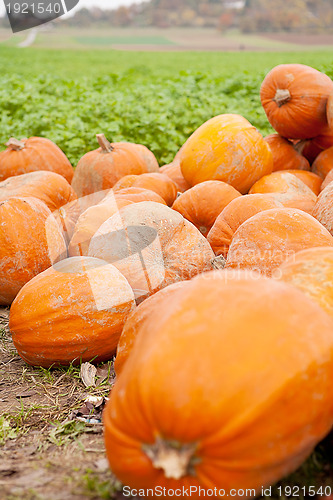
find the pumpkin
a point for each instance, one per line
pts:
(329, 110)
(204, 202)
(285, 156)
(157, 182)
(30, 242)
(323, 209)
(313, 181)
(288, 189)
(173, 171)
(311, 148)
(311, 271)
(265, 240)
(81, 309)
(214, 391)
(92, 219)
(48, 187)
(233, 216)
(152, 246)
(29, 155)
(328, 179)
(101, 169)
(226, 148)
(323, 164)
(135, 320)
(294, 97)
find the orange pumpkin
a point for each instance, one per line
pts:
(29, 155)
(135, 320)
(204, 202)
(214, 391)
(152, 246)
(102, 168)
(313, 181)
(173, 171)
(233, 216)
(323, 210)
(311, 271)
(81, 309)
(226, 148)
(30, 241)
(265, 240)
(157, 182)
(288, 189)
(329, 111)
(323, 164)
(285, 156)
(294, 97)
(48, 187)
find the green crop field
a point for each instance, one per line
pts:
(156, 99)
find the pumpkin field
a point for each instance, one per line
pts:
(166, 265)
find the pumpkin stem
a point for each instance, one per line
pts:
(219, 262)
(104, 143)
(15, 144)
(282, 96)
(175, 459)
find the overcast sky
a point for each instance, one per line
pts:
(104, 4)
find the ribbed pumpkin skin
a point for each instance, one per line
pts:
(157, 182)
(204, 202)
(136, 318)
(285, 156)
(81, 308)
(311, 271)
(233, 216)
(226, 148)
(267, 239)
(225, 367)
(303, 115)
(288, 189)
(30, 241)
(323, 164)
(49, 187)
(99, 169)
(38, 154)
(173, 171)
(153, 246)
(323, 210)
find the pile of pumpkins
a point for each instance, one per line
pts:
(211, 279)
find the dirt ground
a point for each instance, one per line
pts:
(48, 453)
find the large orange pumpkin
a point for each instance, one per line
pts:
(285, 156)
(226, 148)
(48, 187)
(288, 189)
(29, 155)
(152, 246)
(323, 210)
(81, 309)
(173, 171)
(30, 241)
(135, 320)
(268, 238)
(323, 164)
(92, 219)
(311, 271)
(294, 97)
(204, 202)
(157, 182)
(213, 394)
(102, 168)
(233, 216)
